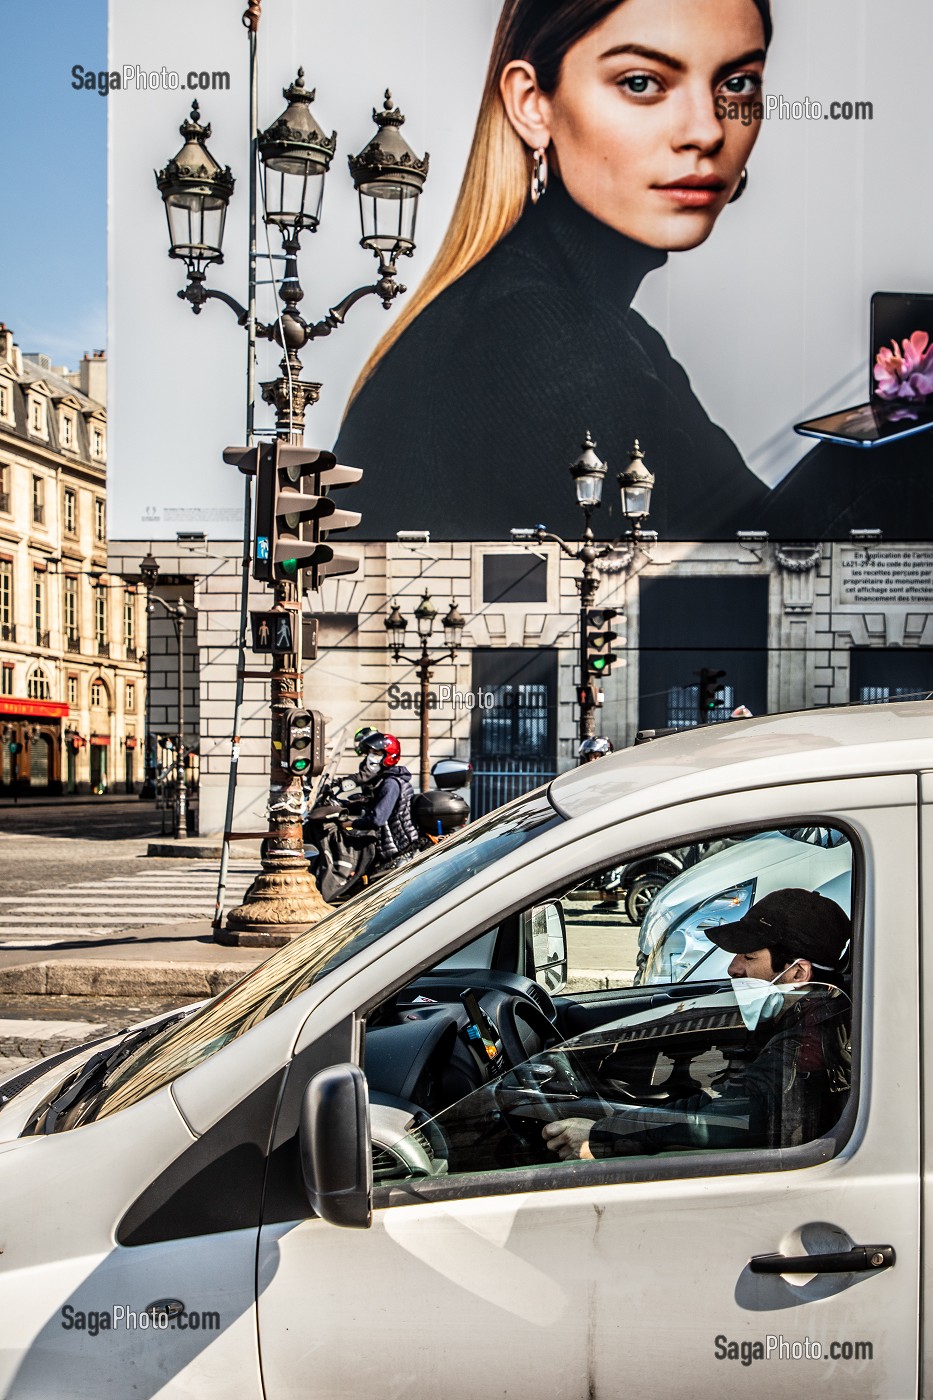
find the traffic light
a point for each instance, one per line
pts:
(294, 513)
(303, 750)
(710, 691)
(600, 658)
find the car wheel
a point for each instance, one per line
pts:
(642, 892)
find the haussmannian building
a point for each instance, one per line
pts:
(72, 636)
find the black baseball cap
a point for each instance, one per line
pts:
(805, 924)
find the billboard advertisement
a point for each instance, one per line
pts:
(698, 226)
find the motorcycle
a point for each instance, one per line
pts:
(343, 860)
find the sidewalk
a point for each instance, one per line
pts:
(166, 962)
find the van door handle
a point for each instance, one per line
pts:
(860, 1259)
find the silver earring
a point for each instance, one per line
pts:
(741, 186)
(538, 174)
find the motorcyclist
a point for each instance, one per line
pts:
(388, 796)
(592, 749)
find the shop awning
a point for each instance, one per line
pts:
(33, 709)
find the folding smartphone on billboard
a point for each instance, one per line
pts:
(900, 377)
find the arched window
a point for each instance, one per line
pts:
(99, 696)
(37, 687)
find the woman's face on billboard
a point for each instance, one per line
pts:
(651, 123)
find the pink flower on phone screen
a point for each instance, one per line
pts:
(905, 372)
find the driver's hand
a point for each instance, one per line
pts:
(569, 1138)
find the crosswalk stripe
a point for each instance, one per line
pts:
(92, 909)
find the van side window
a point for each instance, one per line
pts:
(718, 1024)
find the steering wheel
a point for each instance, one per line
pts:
(514, 1049)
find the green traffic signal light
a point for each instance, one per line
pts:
(289, 566)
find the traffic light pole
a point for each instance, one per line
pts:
(284, 899)
(589, 584)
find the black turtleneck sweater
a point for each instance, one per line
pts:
(468, 425)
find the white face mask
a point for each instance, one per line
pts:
(370, 766)
(757, 999)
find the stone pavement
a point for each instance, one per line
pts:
(54, 997)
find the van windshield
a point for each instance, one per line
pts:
(293, 969)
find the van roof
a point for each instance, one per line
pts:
(748, 753)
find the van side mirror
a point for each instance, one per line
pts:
(335, 1146)
(549, 945)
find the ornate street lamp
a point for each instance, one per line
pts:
(149, 572)
(178, 612)
(635, 483)
(395, 625)
(425, 613)
(296, 155)
(453, 625)
(389, 178)
(196, 192)
(588, 473)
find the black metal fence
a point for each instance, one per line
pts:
(499, 780)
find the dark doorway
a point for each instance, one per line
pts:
(691, 625)
(514, 725)
(890, 673)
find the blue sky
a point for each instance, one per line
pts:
(53, 287)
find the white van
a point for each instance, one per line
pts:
(334, 1179)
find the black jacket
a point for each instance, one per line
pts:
(469, 424)
(791, 1090)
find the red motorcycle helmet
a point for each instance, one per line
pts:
(385, 745)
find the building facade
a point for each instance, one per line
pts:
(72, 635)
(784, 626)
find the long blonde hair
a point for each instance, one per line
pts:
(497, 178)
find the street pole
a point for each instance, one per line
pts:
(425, 669)
(588, 588)
(284, 899)
(148, 788)
(295, 153)
(181, 790)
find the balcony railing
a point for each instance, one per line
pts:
(38, 514)
(5, 502)
(103, 648)
(42, 638)
(131, 652)
(7, 631)
(73, 643)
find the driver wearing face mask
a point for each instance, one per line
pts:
(792, 1086)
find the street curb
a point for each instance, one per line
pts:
(184, 852)
(147, 980)
(198, 851)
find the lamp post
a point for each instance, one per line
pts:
(177, 611)
(294, 154)
(149, 570)
(588, 474)
(396, 625)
